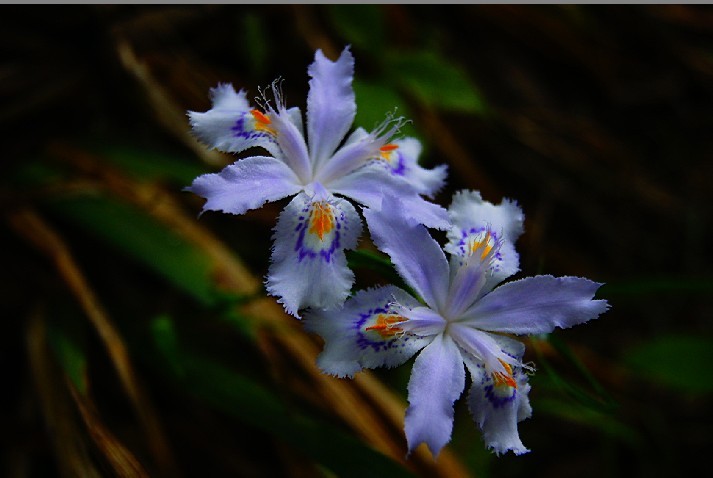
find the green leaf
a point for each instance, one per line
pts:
(151, 165)
(678, 362)
(68, 349)
(236, 395)
(375, 101)
(150, 243)
(434, 81)
(360, 25)
(605, 423)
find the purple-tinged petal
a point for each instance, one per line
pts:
(401, 159)
(497, 407)
(365, 332)
(474, 219)
(348, 158)
(417, 256)
(291, 142)
(437, 380)
(536, 305)
(369, 184)
(485, 347)
(308, 266)
(422, 321)
(330, 103)
(231, 125)
(246, 184)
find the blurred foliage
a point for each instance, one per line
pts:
(138, 341)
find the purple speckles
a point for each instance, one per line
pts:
(498, 400)
(400, 168)
(241, 129)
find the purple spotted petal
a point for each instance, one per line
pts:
(349, 346)
(308, 266)
(417, 256)
(230, 126)
(246, 184)
(437, 380)
(330, 104)
(472, 218)
(403, 162)
(536, 305)
(498, 408)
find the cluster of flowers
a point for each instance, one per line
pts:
(458, 319)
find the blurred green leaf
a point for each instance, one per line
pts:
(678, 362)
(597, 399)
(166, 341)
(360, 25)
(152, 166)
(365, 259)
(253, 42)
(594, 419)
(375, 101)
(68, 349)
(252, 403)
(139, 236)
(434, 81)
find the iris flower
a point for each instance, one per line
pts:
(461, 318)
(308, 266)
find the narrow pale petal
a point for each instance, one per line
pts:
(401, 159)
(330, 104)
(308, 266)
(473, 219)
(369, 184)
(486, 347)
(417, 256)
(292, 143)
(231, 125)
(497, 407)
(437, 380)
(536, 305)
(246, 184)
(365, 333)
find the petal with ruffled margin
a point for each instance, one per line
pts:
(330, 103)
(498, 407)
(437, 380)
(369, 184)
(308, 266)
(401, 159)
(536, 305)
(365, 332)
(231, 125)
(474, 219)
(417, 256)
(246, 184)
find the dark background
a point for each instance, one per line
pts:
(597, 119)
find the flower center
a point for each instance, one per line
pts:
(482, 244)
(504, 379)
(321, 219)
(385, 325)
(262, 122)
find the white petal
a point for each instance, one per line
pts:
(369, 184)
(231, 126)
(417, 256)
(330, 103)
(473, 218)
(246, 184)
(308, 266)
(349, 346)
(437, 380)
(536, 305)
(497, 408)
(403, 162)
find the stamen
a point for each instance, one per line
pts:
(385, 325)
(484, 244)
(260, 117)
(504, 379)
